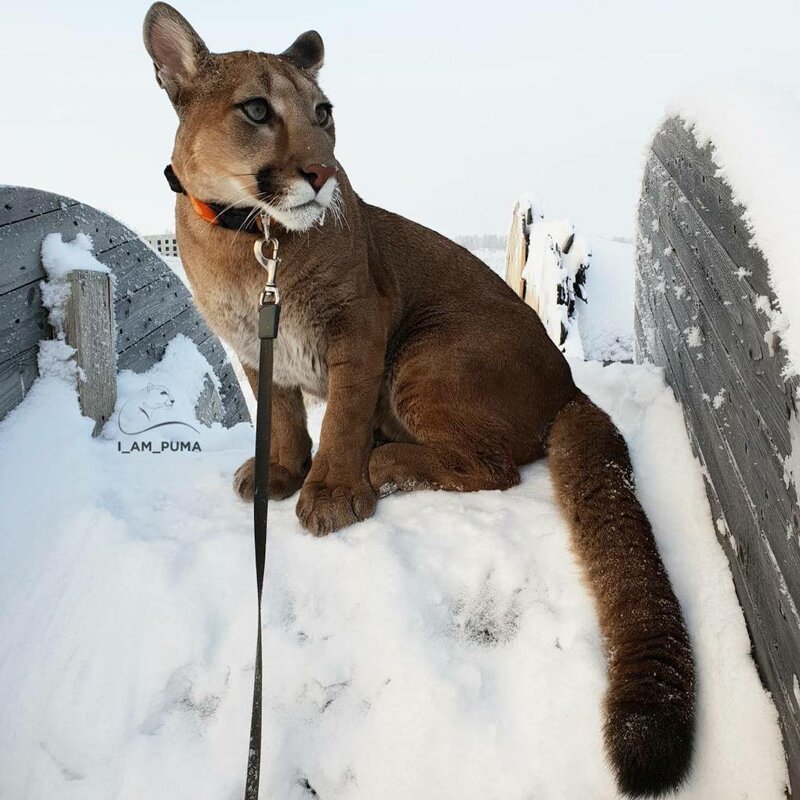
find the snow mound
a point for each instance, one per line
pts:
(754, 134)
(445, 648)
(605, 319)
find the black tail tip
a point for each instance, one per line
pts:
(650, 749)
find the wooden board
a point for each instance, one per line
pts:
(699, 285)
(517, 248)
(151, 304)
(89, 328)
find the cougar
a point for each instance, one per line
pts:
(436, 375)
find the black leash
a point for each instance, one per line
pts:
(269, 310)
(266, 251)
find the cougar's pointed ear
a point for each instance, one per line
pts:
(176, 49)
(306, 52)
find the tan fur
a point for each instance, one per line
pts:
(436, 375)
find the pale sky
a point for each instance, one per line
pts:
(445, 111)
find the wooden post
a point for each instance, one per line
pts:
(517, 249)
(89, 328)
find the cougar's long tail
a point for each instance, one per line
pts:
(649, 726)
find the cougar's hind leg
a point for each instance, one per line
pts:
(405, 467)
(453, 455)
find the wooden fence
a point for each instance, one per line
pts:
(699, 286)
(150, 302)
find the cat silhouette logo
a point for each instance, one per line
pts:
(146, 409)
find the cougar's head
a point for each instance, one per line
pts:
(255, 129)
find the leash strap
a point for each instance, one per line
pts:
(269, 311)
(268, 317)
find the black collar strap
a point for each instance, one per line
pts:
(235, 219)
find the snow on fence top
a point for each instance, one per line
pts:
(553, 273)
(754, 139)
(582, 290)
(60, 258)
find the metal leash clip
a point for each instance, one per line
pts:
(269, 306)
(266, 253)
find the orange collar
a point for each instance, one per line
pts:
(236, 219)
(203, 210)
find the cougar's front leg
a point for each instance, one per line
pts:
(290, 446)
(337, 491)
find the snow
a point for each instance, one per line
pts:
(605, 319)
(445, 648)
(55, 358)
(753, 132)
(791, 464)
(586, 292)
(557, 261)
(693, 336)
(60, 258)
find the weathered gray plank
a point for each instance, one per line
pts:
(236, 410)
(20, 202)
(20, 243)
(209, 406)
(697, 273)
(719, 284)
(751, 466)
(740, 335)
(89, 328)
(151, 303)
(697, 175)
(23, 320)
(761, 634)
(143, 353)
(135, 265)
(16, 378)
(230, 391)
(150, 349)
(768, 610)
(149, 307)
(755, 436)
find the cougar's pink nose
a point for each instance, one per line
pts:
(317, 174)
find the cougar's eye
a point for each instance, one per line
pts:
(324, 113)
(256, 110)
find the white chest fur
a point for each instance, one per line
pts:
(298, 357)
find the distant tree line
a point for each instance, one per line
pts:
(483, 241)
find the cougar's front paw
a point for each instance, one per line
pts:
(323, 509)
(244, 480)
(282, 483)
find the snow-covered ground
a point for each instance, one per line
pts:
(605, 320)
(446, 648)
